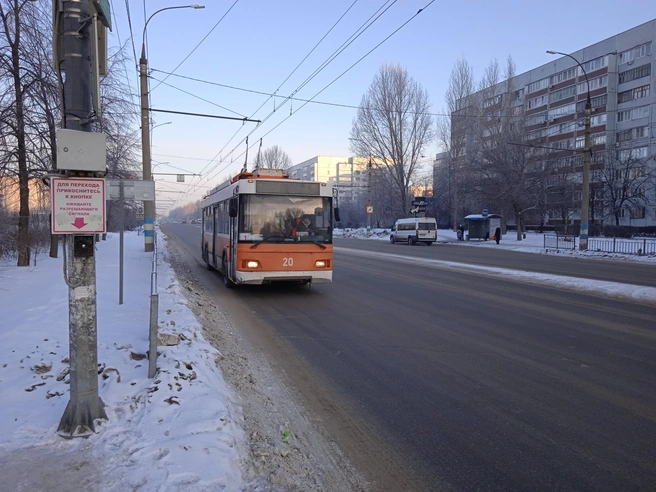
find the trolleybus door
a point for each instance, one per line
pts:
(234, 234)
(214, 210)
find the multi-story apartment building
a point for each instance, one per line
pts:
(348, 174)
(551, 100)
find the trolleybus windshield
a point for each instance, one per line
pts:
(285, 219)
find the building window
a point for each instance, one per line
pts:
(538, 101)
(637, 93)
(492, 101)
(596, 139)
(632, 134)
(596, 102)
(562, 93)
(628, 154)
(517, 110)
(633, 113)
(536, 119)
(599, 139)
(595, 64)
(635, 73)
(538, 85)
(595, 83)
(637, 212)
(599, 119)
(634, 53)
(570, 73)
(565, 144)
(561, 111)
(519, 94)
(638, 172)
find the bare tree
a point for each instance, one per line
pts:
(452, 131)
(628, 182)
(563, 190)
(12, 64)
(273, 158)
(393, 126)
(511, 173)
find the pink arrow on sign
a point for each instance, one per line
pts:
(79, 222)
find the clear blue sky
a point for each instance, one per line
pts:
(260, 42)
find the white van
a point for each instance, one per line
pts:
(414, 230)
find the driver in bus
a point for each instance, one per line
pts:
(290, 228)
(305, 225)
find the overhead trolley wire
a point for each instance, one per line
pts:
(363, 27)
(279, 87)
(345, 72)
(201, 42)
(326, 87)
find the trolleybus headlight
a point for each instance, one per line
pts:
(320, 264)
(252, 264)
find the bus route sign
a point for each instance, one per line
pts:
(78, 205)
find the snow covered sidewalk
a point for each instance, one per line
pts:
(180, 431)
(533, 243)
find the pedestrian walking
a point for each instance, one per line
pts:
(497, 235)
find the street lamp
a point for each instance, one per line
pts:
(585, 194)
(149, 206)
(156, 126)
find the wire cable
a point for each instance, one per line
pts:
(201, 42)
(326, 87)
(197, 97)
(344, 72)
(363, 27)
(218, 154)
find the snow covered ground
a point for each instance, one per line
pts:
(534, 243)
(181, 431)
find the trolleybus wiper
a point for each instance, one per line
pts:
(255, 245)
(318, 244)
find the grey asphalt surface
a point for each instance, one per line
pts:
(636, 273)
(479, 382)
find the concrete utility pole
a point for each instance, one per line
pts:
(85, 405)
(585, 192)
(149, 206)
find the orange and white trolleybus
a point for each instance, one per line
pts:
(263, 226)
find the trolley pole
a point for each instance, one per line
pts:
(85, 405)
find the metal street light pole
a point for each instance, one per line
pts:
(149, 206)
(585, 194)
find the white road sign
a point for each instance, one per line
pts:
(78, 205)
(133, 189)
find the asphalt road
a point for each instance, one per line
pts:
(477, 382)
(597, 269)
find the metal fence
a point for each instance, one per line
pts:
(556, 241)
(624, 246)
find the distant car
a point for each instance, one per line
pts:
(414, 230)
